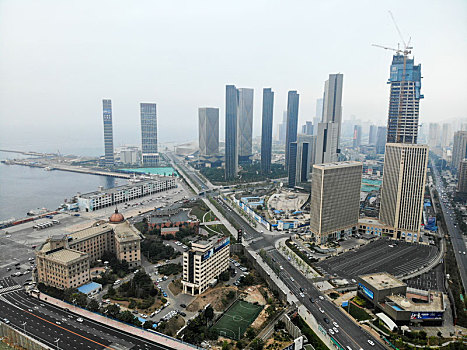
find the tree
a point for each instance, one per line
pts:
(279, 325)
(250, 333)
(112, 310)
(111, 291)
(224, 276)
(209, 314)
(148, 324)
(93, 305)
(257, 344)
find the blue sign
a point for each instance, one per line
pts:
(367, 292)
(426, 316)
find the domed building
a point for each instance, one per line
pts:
(116, 217)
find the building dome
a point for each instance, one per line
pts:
(116, 217)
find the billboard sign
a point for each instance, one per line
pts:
(366, 291)
(218, 246)
(426, 315)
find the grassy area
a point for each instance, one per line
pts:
(237, 319)
(170, 269)
(198, 209)
(357, 313)
(4, 346)
(313, 339)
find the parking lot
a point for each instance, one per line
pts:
(431, 280)
(383, 255)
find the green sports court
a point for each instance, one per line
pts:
(234, 322)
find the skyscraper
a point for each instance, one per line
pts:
(405, 79)
(326, 143)
(231, 154)
(245, 124)
(292, 122)
(292, 166)
(462, 178)
(434, 134)
(381, 136)
(403, 189)
(446, 135)
(308, 128)
(283, 128)
(208, 131)
(357, 136)
(459, 150)
(332, 102)
(302, 151)
(108, 133)
(335, 199)
(266, 130)
(149, 134)
(319, 110)
(372, 135)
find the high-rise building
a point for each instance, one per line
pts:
(204, 262)
(326, 143)
(403, 189)
(307, 129)
(266, 130)
(446, 135)
(292, 122)
(231, 150)
(434, 134)
(372, 135)
(283, 128)
(357, 136)
(245, 124)
(381, 139)
(108, 133)
(208, 128)
(405, 79)
(302, 158)
(319, 111)
(462, 178)
(149, 134)
(335, 199)
(459, 150)
(332, 102)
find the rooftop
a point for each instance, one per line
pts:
(89, 232)
(338, 165)
(382, 280)
(436, 303)
(65, 256)
(124, 187)
(89, 287)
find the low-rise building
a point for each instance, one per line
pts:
(204, 262)
(402, 304)
(64, 261)
(105, 198)
(374, 227)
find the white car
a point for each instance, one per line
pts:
(292, 279)
(302, 295)
(321, 310)
(371, 342)
(79, 319)
(335, 329)
(321, 297)
(335, 324)
(331, 331)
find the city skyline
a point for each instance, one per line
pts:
(364, 82)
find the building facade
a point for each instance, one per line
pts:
(266, 130)
(446, 135)
(245, 124)
(381, 136)
(101, 199)
(459, 150)
(403, 189)
(335, 199)
(204, 262)
(292, 167)
(108, 133)
(231, 151)
(292, 122)
(372, 135)
(64, 261)
(357, 136)
(405, 80)
(208, 131)
(462, 178)
(326, 143)
(434, 136)
(150, 156)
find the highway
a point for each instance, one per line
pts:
(48, 323)
(350, 334)
(456, 235)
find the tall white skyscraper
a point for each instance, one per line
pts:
(108, 133)
(434, 133)
(149, 134)
(332, 102)
(459, 150)
(208, 131)
(403, 189)
(326, 143)
(446, 135)
(245, 124)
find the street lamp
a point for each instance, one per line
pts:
(24, 327)
(56, 341)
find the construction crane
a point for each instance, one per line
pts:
(407, 49)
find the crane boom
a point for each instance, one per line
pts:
(397, 28)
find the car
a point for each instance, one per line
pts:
(70, 317)
(64, 319)
(335, 324)
(79, 319)
(335, 330)
(182, 314)
(302, 295)
(183, 305)
(321, 310)
(292, 279)
(311, 300)
(135, 312)
(281, 267)
(321, 297)
(326, 320)
(58, 322)
(331, 331)
(301, 289)
(371, 342)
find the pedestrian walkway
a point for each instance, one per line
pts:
(9, 289)
(158, 338)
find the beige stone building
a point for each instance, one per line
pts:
(204, 262)
(64, 261)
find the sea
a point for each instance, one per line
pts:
(23, 188)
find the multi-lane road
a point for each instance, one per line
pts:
(457, 238)
(350, 334)
(59, 329)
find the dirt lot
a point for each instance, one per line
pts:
(253, 294)
(176, 287)
(212, 296)
(262, 317)
(124, 304)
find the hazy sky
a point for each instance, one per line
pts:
(59, 59)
